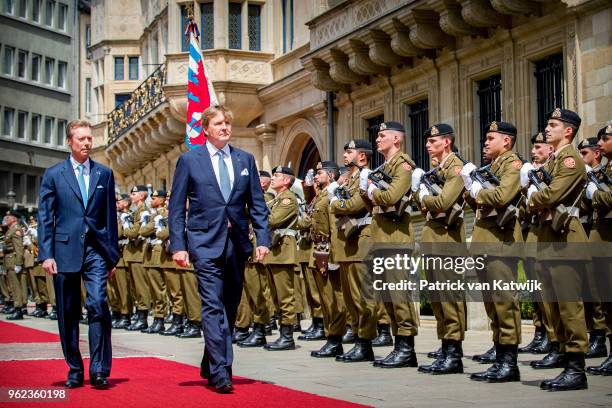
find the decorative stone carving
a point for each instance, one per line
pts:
(425, 31)
(451, 21)
(359, 58)
(319, 70)
(520, 7)
(479, 13)
(380, 49)
(400, 40)
(248, 71)
(339, 69)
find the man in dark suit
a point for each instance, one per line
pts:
(222, 186)
(77, 235)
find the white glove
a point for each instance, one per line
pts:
(332, 199)
(532, 189)
(587, 168)
(331, 189)
(17, 268)
(157, 220)
(416, 178)
(423, 192)
(144, 216)
(371, 189)
(475, 189)
(527, 167)
(363, 179)
(27, 241)
(124, 216)
(467, 169)
(590, 190)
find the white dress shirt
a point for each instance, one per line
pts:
(86, 171)
(227, 158)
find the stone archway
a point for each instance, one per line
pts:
(301, 146)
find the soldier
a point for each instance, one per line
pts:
(121, 277)
(37, 273)
(444, 224)
(134, 254)
(391, 225)
(154, 257)
(13, 265)
(282, 257)
(593, 311)
(544, 331)
(7, 298)
(193, 304)
(568, 175)
(350, 235)
(602, 232)
(492, 226)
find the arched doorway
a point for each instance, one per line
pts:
(309, 158)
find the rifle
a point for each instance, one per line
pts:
(539, 178)
(483, 174)
(600, 178)
(342, 193)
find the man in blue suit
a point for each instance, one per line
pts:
(77, 237)
(221, 184)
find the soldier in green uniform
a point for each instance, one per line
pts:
(121, 276)
(154, 255)
(593, 310)
(7, 298)
(193, 304)
(544, 334)
(134, 252)
(37, 273)
(443, 224)
(391, 225)
(568, 175)
(13, 265)
(601, 202)
(282, 257)
(256, 283)
(350, 224)
(492, 226)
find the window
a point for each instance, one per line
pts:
(36, 11)
(49, 11)
(22, 63)
(31, 189)
(61, 132)
(35, 73)
(549, 87)
(49, 123)
(119, 68)
(87, 95)
(133, 66)
(184, 41)
(489, 102)
(418, 117)
(9, 55)
(8, 121)
(49, 69)
(62, 16)
(120, 98)
(234, 26)
(22, 8)
(8, 6)
(62, 70)
(207, 25)
(372, 129)
(35, 128)
(254, 27)
(88, 35)
(22, 117)
(287, 12)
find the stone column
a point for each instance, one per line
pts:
(220, 12)
(266, 134)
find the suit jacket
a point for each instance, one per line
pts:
(203, 231)
(63, 221)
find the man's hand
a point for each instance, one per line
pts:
(261, 252)
(181, 258)
(50, 266)
(111, 273)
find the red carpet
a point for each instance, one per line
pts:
(14, 333)
(152, 382)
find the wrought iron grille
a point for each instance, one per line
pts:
(207, 26)
(418, 115)
(489, 96)
(254, 27)
(372, 128)
(144, 99)
(549, 87)
(234, 26)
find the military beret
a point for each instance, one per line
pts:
(342, 169)
(538, 138)
(32, 218)
(12, 213)
(588, 143)
(565, 115)
(327, 165)
(604, 131)
(359, 144)
(283, 170)
(159, 193)
(121, 197)
(263, 173)
(391, 125)
(505, 128)
(139, 188)
(439, 129)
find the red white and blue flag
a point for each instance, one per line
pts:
(200, 91)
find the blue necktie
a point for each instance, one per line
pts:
(224, 179)
(82, 186)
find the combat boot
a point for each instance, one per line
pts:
(240, 334)
(554, 359)
(487, 358)
(597, 344)
(452, 363)
(257, 338)
(507, 367)
(361, 351)
(538, 336)
(403, 354)
(332, 348)
(573, 377)
(317, 332)
(175, 328)
(284, 341)
(384, 337)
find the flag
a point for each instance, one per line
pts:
(200, 91)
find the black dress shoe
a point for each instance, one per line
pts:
(573, 377)
(284, 341)
(362, 351)
(74, 382)
(53, 314)
(257, 338)
(487, 358)
(156, 327)
(98, 381)
(384, 337)
(122, 323)
(349, 336)
(240, 334)
(554, 359)
(597, 344)
(332, 348)
(224, 387)
(538, 336)
(141, 322)
(403, 354)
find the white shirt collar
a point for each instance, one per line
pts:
(75, 163)
(212, 150)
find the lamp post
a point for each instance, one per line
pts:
(10, 199)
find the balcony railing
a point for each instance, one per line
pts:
(143, 100)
